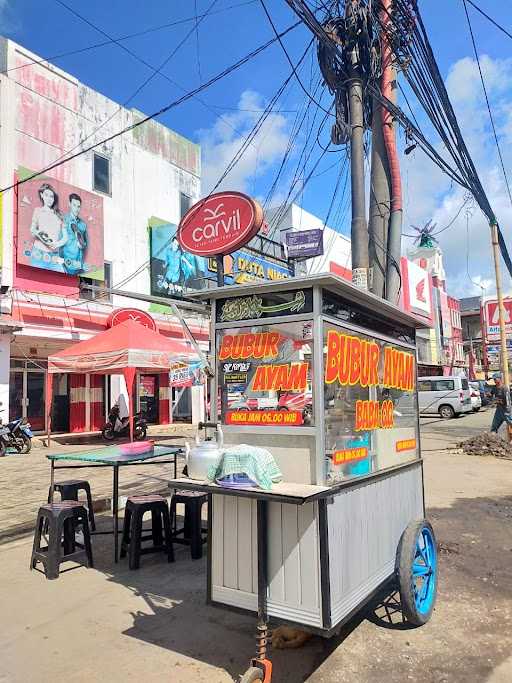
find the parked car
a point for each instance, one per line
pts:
(476, 400)
(445, 396)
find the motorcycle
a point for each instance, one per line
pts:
(116, 426)
(16, 434)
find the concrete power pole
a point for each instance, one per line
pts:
(379, 205)
(359, 228)
(501, 310)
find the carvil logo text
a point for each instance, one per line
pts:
(352, 360)
(215, 221)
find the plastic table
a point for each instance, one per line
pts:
(110, 456)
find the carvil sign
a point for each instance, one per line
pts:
(220, 224)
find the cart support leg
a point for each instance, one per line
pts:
(115, 511)
(261, 660)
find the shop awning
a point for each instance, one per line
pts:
(127, 345)
(124, 349)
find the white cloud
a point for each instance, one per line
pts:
(221, 142)
(430, 195)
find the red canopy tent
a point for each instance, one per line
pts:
(125, 349)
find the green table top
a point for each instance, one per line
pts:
(110, 455)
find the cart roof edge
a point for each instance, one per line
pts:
(328, 281)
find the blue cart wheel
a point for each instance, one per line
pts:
(417, 572)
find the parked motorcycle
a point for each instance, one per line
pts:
(117, 427)
(16, 434)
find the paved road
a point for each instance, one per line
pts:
(113, 624)
(448, 432)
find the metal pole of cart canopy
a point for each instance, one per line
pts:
(220, 270)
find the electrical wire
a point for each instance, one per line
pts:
(308, 94)
(491, 117)
(198, 58)
(236, 158)
(95, 46)
(154, 70)
(184, 98)
(498, 26)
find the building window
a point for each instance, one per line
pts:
(185, 203)
(101, 174)
(102, 294)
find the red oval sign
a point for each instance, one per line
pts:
(220, 224)
(120, 315)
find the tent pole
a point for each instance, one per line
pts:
(49, 400)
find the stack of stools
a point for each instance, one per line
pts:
(133, 537)
(61, 520)
(69, 491)
(192, 532)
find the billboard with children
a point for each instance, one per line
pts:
(60, 228)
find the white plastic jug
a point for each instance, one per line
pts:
(203, 455)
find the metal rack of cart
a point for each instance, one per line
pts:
(323, 375)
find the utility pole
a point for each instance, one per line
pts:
(359, 228)
(379, 205)
(501, 311)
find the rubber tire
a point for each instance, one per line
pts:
(2, 449)
(111, 433)
(450, 412)
(475, 410)
(252, 674)
(405, 557)
(27, 444)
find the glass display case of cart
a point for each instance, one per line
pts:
(370, 405)
(265, 375)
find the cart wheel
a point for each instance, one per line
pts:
(252, 674)
(417, 572)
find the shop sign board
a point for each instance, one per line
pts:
(121, 315)
(60, 228)
(220, 224)
(417, 289)
(175, 271)
(305, 244)
(292, 302)
(492, 318)
(185, 375)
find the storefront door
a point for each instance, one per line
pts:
(27, 390)
(148, 397)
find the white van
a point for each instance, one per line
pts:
(444, 396)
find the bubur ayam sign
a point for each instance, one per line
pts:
(352, 361)
(220, 224)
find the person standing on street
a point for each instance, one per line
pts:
(500, 415)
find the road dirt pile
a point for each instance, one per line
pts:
(487, 444)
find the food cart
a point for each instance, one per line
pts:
(349, 514)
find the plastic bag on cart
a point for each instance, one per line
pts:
(257, 464)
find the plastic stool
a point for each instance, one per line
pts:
(193, 533)
(69, 491)
(61, 520)
(132, 539)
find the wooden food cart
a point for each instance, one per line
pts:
(323, 375)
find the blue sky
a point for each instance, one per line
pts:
(227, 34)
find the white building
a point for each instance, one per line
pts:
(337, 256)
(137, 183)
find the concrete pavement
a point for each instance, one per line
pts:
(153, 624)
(24, 479)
